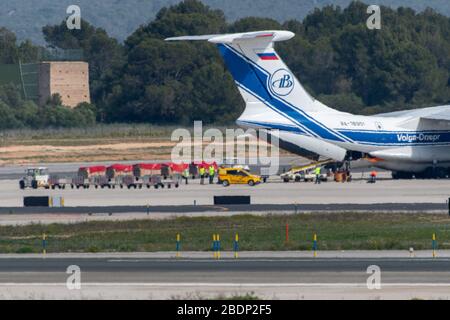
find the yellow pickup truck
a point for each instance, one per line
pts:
(229, 176)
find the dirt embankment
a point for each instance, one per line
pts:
(110, 150)
(119, 151)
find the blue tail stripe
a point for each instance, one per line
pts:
(244, 74)
(251, 78)
(267, 75)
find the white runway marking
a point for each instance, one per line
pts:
(209, 284)
(232, 260)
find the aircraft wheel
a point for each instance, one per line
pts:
(440, 173)
(407, 175)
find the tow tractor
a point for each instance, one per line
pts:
(306, 172)
(36, 177)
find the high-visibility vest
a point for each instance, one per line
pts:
(317, 171)
(211, 170)
(202, 171)
(186, 172)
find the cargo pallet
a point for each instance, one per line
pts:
(127, 181)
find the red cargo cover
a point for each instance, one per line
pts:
(121, 167)
(177, 167)
(93, 169)
(149, 166)
(206, 165)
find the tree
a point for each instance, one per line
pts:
(8, 53)
(253, 24)
(334, 55)
(175, 82)
(18, 113)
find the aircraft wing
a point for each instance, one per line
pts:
(433, 113)
(439, 115)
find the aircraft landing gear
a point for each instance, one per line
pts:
(433, 173)
(429, 173)
(397, 175)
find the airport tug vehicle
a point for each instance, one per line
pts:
(306, 173)
(35, 177)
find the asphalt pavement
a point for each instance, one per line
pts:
(298, 278)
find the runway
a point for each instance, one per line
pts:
(356, 192)
(214, 209)
(250, 270)
(162, 278)
(12, 216)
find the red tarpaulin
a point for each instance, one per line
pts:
(177, 167)
(149, 166)
(206, 165)
(93, 169)
(121, 167)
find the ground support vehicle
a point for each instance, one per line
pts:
(35, 177)
(228, 176)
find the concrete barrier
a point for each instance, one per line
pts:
(36, 201)
(231, 200)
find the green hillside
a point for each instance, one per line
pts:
(337, 58)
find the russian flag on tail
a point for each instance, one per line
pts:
(267, 56)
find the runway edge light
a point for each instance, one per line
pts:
(44, 244)
(315, 245)
(214, 246)
(218, 246)
(178, 246)
(433, 245)
(236, 246)
(287, 234)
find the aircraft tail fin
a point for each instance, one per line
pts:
(259, 72)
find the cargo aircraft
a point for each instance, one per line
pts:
(409, 143)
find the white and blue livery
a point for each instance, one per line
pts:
(406, 142)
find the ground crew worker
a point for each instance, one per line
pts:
(317, 172)
(212, 172)
(202, 175)
(193, 170)
(373, 176)
(186, 174)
